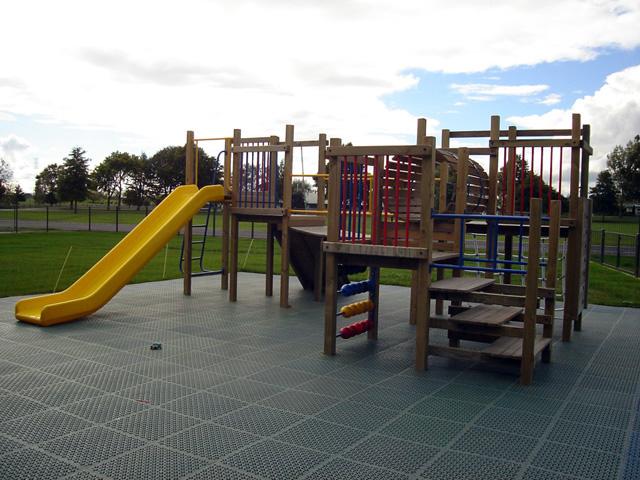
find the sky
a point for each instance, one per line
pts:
(136, 75)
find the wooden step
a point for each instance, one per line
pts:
(439, 257)
(506, 347)
(487, 315)
(460, 284)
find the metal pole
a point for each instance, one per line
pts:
(215, 214)
(602, 234)
(117, 218)
(638, 255)
(89, 218)
(252, 225)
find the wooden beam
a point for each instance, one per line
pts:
(375, 250)
(330, 304)
(504, 133)
(263, 148)
(189, 179)
(286, 203)
(531, 303)
(535, 143)
(412, 150)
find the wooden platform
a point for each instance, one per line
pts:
(439, 257)
(460, 284)
(511, 348)
(487, 315)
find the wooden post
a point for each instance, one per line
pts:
(331, 287)
(425, 241)
(509, 208)
(374, 296)
(421, 138)
(531, 299)
(511, 172)
(271, 227)
(462, 174)
(572, 307)
(226, 216)
(584, 193)
(493, 166)
(574, 191)
(322, 169)
(189, 179)
(286, 204)
(552, 273)
(233, 260)
(442, 206)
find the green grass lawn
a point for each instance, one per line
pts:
(627, 225)
(101, 215)
(32, 262)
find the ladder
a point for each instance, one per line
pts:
(202, 243)
(211, 206)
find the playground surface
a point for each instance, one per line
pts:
(242, 390)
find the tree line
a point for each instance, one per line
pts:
(135, 180)
(620, 184)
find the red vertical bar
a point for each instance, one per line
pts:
(374, 211)
(504, 179)
(253, 180)
(343, 211)
(397, 198)
(560, 177)
(550, 180)
(522, 182)
(354, 198)
(386, 198)
(406, 225)
(541, 172)
(365, 198)
(513, 182)
(533, 159)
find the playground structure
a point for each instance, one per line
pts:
(399, 180)
(379, 214)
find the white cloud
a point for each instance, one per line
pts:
(551, 99)
(613, 112)
(19, 154)
(489, 90)
(160, 68)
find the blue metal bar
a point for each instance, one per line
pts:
(488, 218)
(491, 260)
(476, 269)
(476, 216)
(520, 235)
(461, 242)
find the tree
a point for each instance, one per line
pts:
(624, 164)
(6, 174)
(529, 184)
(73, 182)
(18, 195)
(166, 170)
(47, 184)
(299, 190)
(604, 194)
(111, 175)
(104, 181)
(138, 185)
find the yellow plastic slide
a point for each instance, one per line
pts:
(96, 287)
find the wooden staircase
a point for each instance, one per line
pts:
(503, 318)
